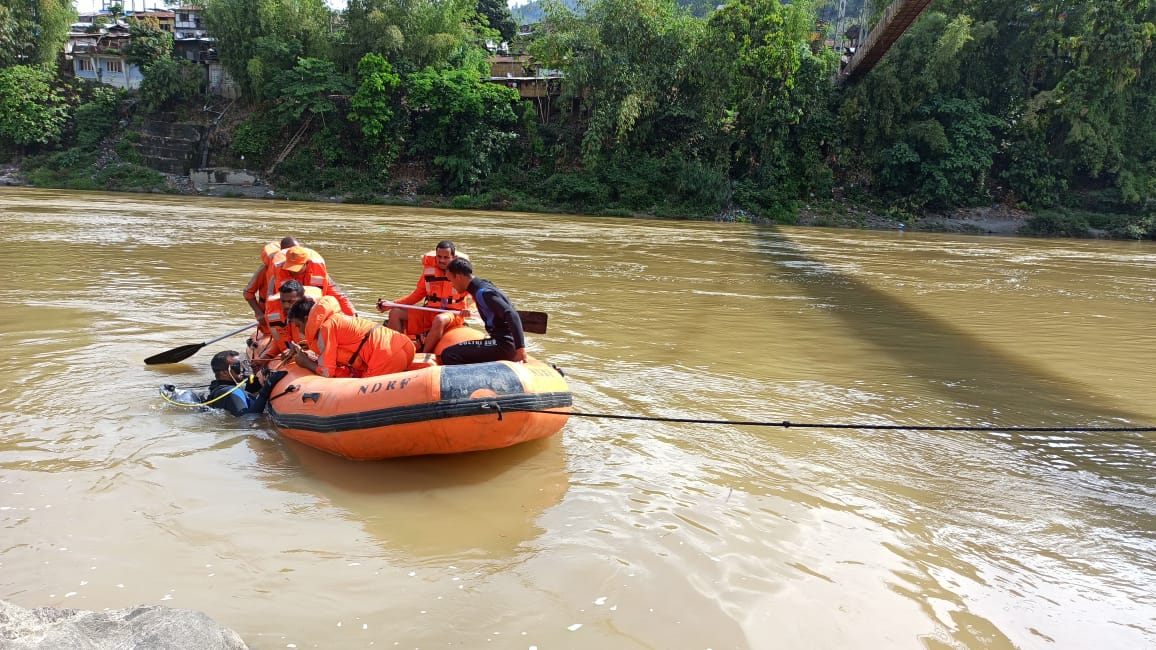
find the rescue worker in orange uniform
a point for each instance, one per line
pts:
(289, 293)
(307, 267)
(257, 291)
(346, 346)
(436, 290)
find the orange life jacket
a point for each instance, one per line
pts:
(348, 346)
(269, 251)
(439, 291)
(316, 277)
(275, 315)
(258, 286)
(316, 274)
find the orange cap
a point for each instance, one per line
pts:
(296, 258)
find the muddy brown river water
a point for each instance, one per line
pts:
(620, 534)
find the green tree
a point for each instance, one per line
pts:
(96, 118)
(308, 88)
(148, 43)
(1071, 82)
(168, 82)
(32, 108)
(34, 31)
(498, 17)
(1099, 100)
(629, 63)
(773, 91)
(257, 39)
(945, 156)
(97, 26)
(929, 140)
(411, 34)
(463, 123)
(373, 103)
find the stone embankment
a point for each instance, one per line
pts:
(169, 146)
(10, 176)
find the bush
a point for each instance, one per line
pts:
(253, 139)
(1124, 226)
(762, 200)
(1057, 223)
(96, 118)
(71, 169)
(701, 189)
(126, 151)
(168, 82)
(32, 107)
(1135, 228)
(575, 189)
(1033, 176)
(127, 177)
(471, 201)
(522, 204)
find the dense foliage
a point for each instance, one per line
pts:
(497, 17)
(32, 32)
(169, 82)
(32, 108)
(683, 109)
(1040, 104)
(257, 39)
(149, 43)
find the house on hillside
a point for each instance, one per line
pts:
(519, 72)
(86, 19)
(100, 57)
(540, 85)
(192, 42)
(190, 23)
(165, 20)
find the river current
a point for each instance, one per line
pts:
(619, 534)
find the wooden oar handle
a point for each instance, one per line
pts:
(225, 336)
(532, 321)
(386, 303)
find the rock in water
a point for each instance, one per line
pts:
(146, 627)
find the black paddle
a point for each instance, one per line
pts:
(533, 322)
(185, 351)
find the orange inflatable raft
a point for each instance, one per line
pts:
(425, 410)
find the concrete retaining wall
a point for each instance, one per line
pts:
(169, 146)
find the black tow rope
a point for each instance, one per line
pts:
(787, 424)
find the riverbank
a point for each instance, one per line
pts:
(996, 220)
(993, 220)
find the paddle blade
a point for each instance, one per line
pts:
(174, 355)
(534, 322)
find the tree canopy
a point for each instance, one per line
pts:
(33, 31)
(32, 109)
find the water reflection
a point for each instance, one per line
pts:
(482, 505)
(989, 489)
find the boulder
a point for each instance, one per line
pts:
(145, 627)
